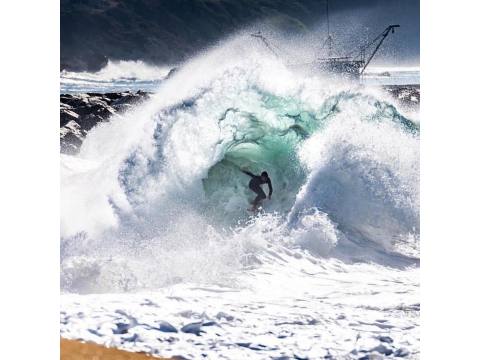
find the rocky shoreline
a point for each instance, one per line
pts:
(79, 113)
(408, 95)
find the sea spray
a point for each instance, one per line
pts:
(115, 76)
(158, 191)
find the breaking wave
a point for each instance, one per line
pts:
(115, 76)
(156, 196)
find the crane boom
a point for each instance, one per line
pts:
(349, 65)
(265, 42)
(382, 37)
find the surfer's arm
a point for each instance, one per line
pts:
(270, 190)
(248, 173)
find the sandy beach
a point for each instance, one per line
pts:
(77, 350)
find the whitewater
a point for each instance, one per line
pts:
(115, 76)
(159, 254)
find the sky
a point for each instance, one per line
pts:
(356, 22)
(169, 31)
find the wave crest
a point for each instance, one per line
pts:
(166, 183)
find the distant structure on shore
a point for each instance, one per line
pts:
(350, 66)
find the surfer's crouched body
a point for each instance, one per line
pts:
(255, 186)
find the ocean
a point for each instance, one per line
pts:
(159, 252)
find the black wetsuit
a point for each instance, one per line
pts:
(254, 185)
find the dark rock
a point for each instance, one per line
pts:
(127, 98)
(408, 95)
(71, 137)
(67, 115)
(79, 113)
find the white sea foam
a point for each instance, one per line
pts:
(341, 152)
(116, 70)
(115, 76)
(154, 205)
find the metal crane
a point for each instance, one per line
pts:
(380, 38)
(349, 65)
(265, 42)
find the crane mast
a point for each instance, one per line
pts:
(329, 40)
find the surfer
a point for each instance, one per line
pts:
(255, 185)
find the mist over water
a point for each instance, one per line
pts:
(156, 195)
(115, 76)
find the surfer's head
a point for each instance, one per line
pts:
(264, 175)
